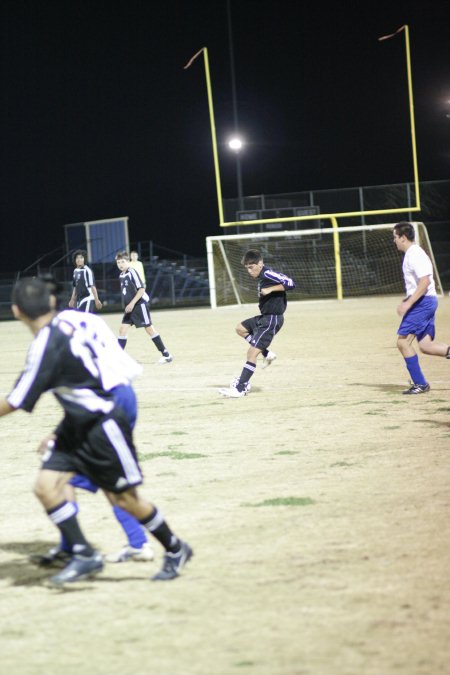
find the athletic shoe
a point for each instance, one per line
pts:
(417, 389)
(55, 557)
(144, 554)
(165, 359)
(232, 392)
(80, 567)
(235, 381)
(173, 562)
(267, 360)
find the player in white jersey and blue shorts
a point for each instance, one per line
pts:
(418, 309)
(137, 311)
(94, 437)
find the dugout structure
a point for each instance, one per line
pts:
(324, 263)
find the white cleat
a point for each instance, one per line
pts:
(144, 554)
(267, 360)
(165, 359)
(231, 392)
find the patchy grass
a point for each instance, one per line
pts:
(172, 454)
(287, 452)
(284, 501)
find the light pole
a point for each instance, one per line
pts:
(236, 144)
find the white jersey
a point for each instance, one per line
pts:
(416, 264)
(114, 364)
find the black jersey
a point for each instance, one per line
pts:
(273, 303)
(130, 283)
(72, 358)
(83, 280)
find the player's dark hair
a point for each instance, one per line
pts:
(122, 255)
(405, 229)
(79, 252)
(252, 257)
(32, 297)
(55, 288)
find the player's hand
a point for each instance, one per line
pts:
(98, 304)
(403, 308)
(71, 303)
(266, 291)
(46, 444)
(129, 308)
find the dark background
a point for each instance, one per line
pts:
(99, 119)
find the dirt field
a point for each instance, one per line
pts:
(318, 508)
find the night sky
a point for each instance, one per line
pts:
(99, 119)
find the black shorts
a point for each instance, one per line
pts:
(104, 453)
(86, 304)
(139, 317)
(263, 329)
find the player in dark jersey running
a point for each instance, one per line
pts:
(94, 437)
(259, 331)
(136, 307)
(84, 294)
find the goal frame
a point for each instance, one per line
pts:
(255, 236)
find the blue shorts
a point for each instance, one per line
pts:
(419, 320)
(125, 398)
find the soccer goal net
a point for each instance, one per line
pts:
(324, 263)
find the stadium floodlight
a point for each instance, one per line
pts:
(236, 144)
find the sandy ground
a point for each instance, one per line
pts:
(318, 507)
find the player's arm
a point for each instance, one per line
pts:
(271, 289)
(422, 287)
(140, 292)
(73, 298)
(6, 407)
(98, 303)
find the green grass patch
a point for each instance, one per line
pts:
(244, 664)
(397, 426)
(324, 405)
(342, 464)
(284, 501)
(287, 452)
(172, 454)
(375, 412)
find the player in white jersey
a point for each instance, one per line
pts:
(418, 309)
(94, 437)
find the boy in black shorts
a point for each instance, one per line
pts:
(94, 437)
(84, 295)
(259, 331)
(136, 307)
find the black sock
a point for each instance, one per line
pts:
(246, 374)
(64, 517)
(265, 352)
(159, 344)
(122, 341)
(158, 527)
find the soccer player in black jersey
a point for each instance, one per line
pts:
(136, 302)
(94, 437)
(259, 331)
(84, 294)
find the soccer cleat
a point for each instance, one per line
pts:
(232, 392)
(165, 359)
(144, 554)
(267, 360)
(55, 557)
(173, 562)
(247, 387)
(417, 389)
(80, 567)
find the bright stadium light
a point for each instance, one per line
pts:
(236, 144)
